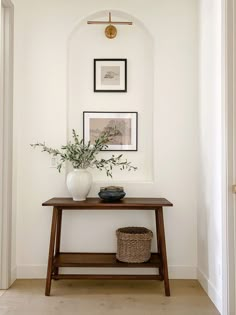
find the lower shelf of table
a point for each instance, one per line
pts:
(106, 277)
(101, 260)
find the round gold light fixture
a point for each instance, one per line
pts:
(110, 31)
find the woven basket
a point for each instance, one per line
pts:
(134, 244)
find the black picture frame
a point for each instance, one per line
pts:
(110, 88)
(87, 115)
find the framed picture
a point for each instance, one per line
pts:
(126, 124)
(110, 75)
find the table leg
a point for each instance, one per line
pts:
(58, 237)
(51, 251)
(159, 244)
(162, 242)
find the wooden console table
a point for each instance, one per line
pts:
(58, 259)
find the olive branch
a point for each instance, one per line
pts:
(83, 156)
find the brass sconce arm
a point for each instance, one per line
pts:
(110, 30)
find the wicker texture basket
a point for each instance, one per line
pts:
(134, 244)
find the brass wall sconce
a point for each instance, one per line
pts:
(110, 30)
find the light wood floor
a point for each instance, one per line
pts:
(26, 297)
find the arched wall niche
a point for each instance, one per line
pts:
(88, 42)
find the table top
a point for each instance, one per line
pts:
(97, 203)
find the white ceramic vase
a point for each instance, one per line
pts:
(79, 183)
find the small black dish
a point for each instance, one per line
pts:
(110, 196)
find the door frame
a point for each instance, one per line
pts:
(229, 156)
(6, 140)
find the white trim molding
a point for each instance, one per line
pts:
(210, 290)
(6, 140)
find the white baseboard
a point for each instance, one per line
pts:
(39, 271)
(182, 272)
(13, 274)
(211, 291)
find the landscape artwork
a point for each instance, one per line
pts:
(125, 125)
(121, 125)
(110, 75)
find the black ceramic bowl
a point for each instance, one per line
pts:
(110, 196)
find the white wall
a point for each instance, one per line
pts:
(42, 31)
(210, 141)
